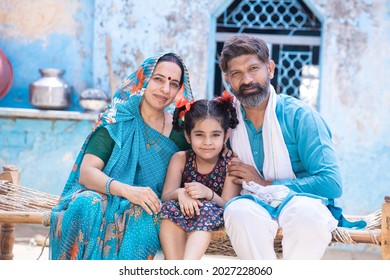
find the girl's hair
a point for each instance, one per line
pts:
(170, 57)
(221, 109)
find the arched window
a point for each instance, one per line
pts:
(293, 33)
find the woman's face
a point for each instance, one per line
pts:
(163, 85)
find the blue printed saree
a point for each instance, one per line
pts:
(89, 225)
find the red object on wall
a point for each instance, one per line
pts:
(6, 74)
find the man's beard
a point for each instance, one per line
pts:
(252, 99)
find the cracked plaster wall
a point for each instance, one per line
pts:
(138, 29)
(355, 96)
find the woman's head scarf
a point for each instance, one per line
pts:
(137, 82)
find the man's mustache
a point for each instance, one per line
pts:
(249, 86)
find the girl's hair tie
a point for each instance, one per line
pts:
(183, 102)
(225, 97)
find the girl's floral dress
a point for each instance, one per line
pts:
(211, 215)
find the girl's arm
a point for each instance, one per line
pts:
(230, 189)
(197, 190)
(172, 182)
(172, 191)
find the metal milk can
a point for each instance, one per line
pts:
(50, 91)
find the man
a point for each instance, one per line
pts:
(280, 141)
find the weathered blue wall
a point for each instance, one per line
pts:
(45, 33)
(138, 29)
(43, 150)
(355, 96)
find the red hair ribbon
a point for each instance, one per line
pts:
(225, 96)
(184, 102)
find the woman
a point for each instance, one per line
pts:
(108, 209)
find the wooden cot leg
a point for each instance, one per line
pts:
(7, 241)
(385, 231)
(7, 233)
(14, 172)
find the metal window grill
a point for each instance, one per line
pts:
(290, 71)
(273, 14)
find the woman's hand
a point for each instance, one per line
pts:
(143, 196)
(197, 190)
(188, 206)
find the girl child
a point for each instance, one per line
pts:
(197, 185)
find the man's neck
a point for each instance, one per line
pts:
(256, 114)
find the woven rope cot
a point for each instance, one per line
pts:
(371, 234)
(19, 204)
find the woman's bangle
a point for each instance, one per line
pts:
(212, 196)
(108, 183)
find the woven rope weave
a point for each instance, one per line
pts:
(221, 245)
(17, 198)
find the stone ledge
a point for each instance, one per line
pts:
(47, 114)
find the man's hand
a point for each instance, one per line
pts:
(227, 153)
(245, 172)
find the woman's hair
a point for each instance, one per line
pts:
(243, 44)
(221, 109)
(170, 57)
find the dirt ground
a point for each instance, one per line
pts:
(30, 239)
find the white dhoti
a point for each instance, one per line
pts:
(306, 223)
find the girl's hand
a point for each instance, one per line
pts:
(197, 190)
(143, 196)
(188, 206)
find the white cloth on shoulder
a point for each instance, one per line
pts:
(277, 163)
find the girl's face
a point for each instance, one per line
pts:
(163, 85)
(207, 139)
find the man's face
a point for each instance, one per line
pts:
(249, 78)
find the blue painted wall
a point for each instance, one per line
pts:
(355, 99)
(47, 34)
(43, 150)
